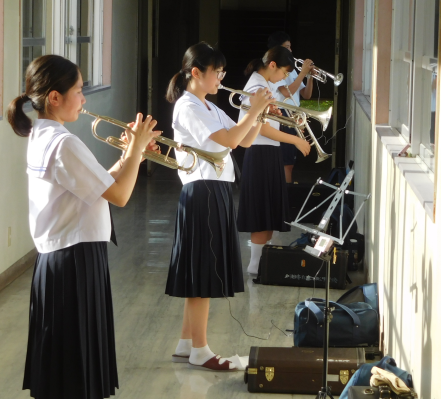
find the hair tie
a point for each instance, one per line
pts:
(25, 97)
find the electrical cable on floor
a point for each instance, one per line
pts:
(222, 283)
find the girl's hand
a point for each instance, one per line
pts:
(307, 67)
(304, 147)
(142, 133)
(261, 99)
(274, 109)
(127, 137)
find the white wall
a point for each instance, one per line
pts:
(119, 102)
(402, 256)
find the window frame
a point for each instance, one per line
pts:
(96, 39)
(418, 65)
(31, 42)
(368, 40)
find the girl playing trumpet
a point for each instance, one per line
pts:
(263, 205)
(205, 261)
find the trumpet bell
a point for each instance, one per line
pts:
(338, 79)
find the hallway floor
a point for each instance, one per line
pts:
(148, 322)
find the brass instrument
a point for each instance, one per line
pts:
(320, 74)
(299, 112)
(215, 159)
(311, 139)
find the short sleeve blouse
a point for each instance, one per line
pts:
(256, 82)
(65, 201)
(193, 124)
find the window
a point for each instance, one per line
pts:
(33, 33)
(83, 38)
(368, 38)
(402, 65)
(414, 60)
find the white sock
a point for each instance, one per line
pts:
(199, 356)
(184, 347)
(275, 239)
(256, 253)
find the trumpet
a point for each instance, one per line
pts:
(311, 139)
(215, 159)
(320, 74)
(299, 114)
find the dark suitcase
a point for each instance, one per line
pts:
(299, 370)
(292, 266)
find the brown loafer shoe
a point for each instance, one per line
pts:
(180, 359)
(213, 365)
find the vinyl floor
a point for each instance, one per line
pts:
(148, 322)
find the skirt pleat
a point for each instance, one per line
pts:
(71, 344)
(205, 260)
(263, 204)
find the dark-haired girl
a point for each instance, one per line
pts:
(71, 343)
(205, 261)
(263, 205)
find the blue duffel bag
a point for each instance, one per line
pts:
(363, 375)
(353, 324)
(362, 293)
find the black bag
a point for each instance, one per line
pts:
(294, 267)
(353, 324)
(334, 224)
(336, 177)
(297, 193)
(383, 391)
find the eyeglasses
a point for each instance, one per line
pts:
(221, 74)
(286, 74)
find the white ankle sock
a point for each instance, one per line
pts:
(275, 239)
(199, 356)
(256, 252)
(184, 347)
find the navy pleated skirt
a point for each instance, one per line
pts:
(205, 260)
(71, 344)
(263, 204)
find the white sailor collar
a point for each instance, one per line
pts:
(46, 134)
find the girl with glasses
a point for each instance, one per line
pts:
(263, 205)
(205, 260)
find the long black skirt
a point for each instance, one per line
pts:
(71, 344)
(263, 204)
(205, 260)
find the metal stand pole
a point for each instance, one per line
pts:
(326, 391)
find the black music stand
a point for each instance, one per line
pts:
(323, 250)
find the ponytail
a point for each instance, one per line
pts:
(279, 54)
(43, 75)
(254, 66)
(177, 85)
(201, 56)
(20, 123)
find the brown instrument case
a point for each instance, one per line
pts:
(299, 370)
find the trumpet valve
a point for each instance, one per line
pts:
(116, 142)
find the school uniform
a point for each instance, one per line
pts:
(263, 204)
(205, 260)
(71, 344)
(289, 151)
